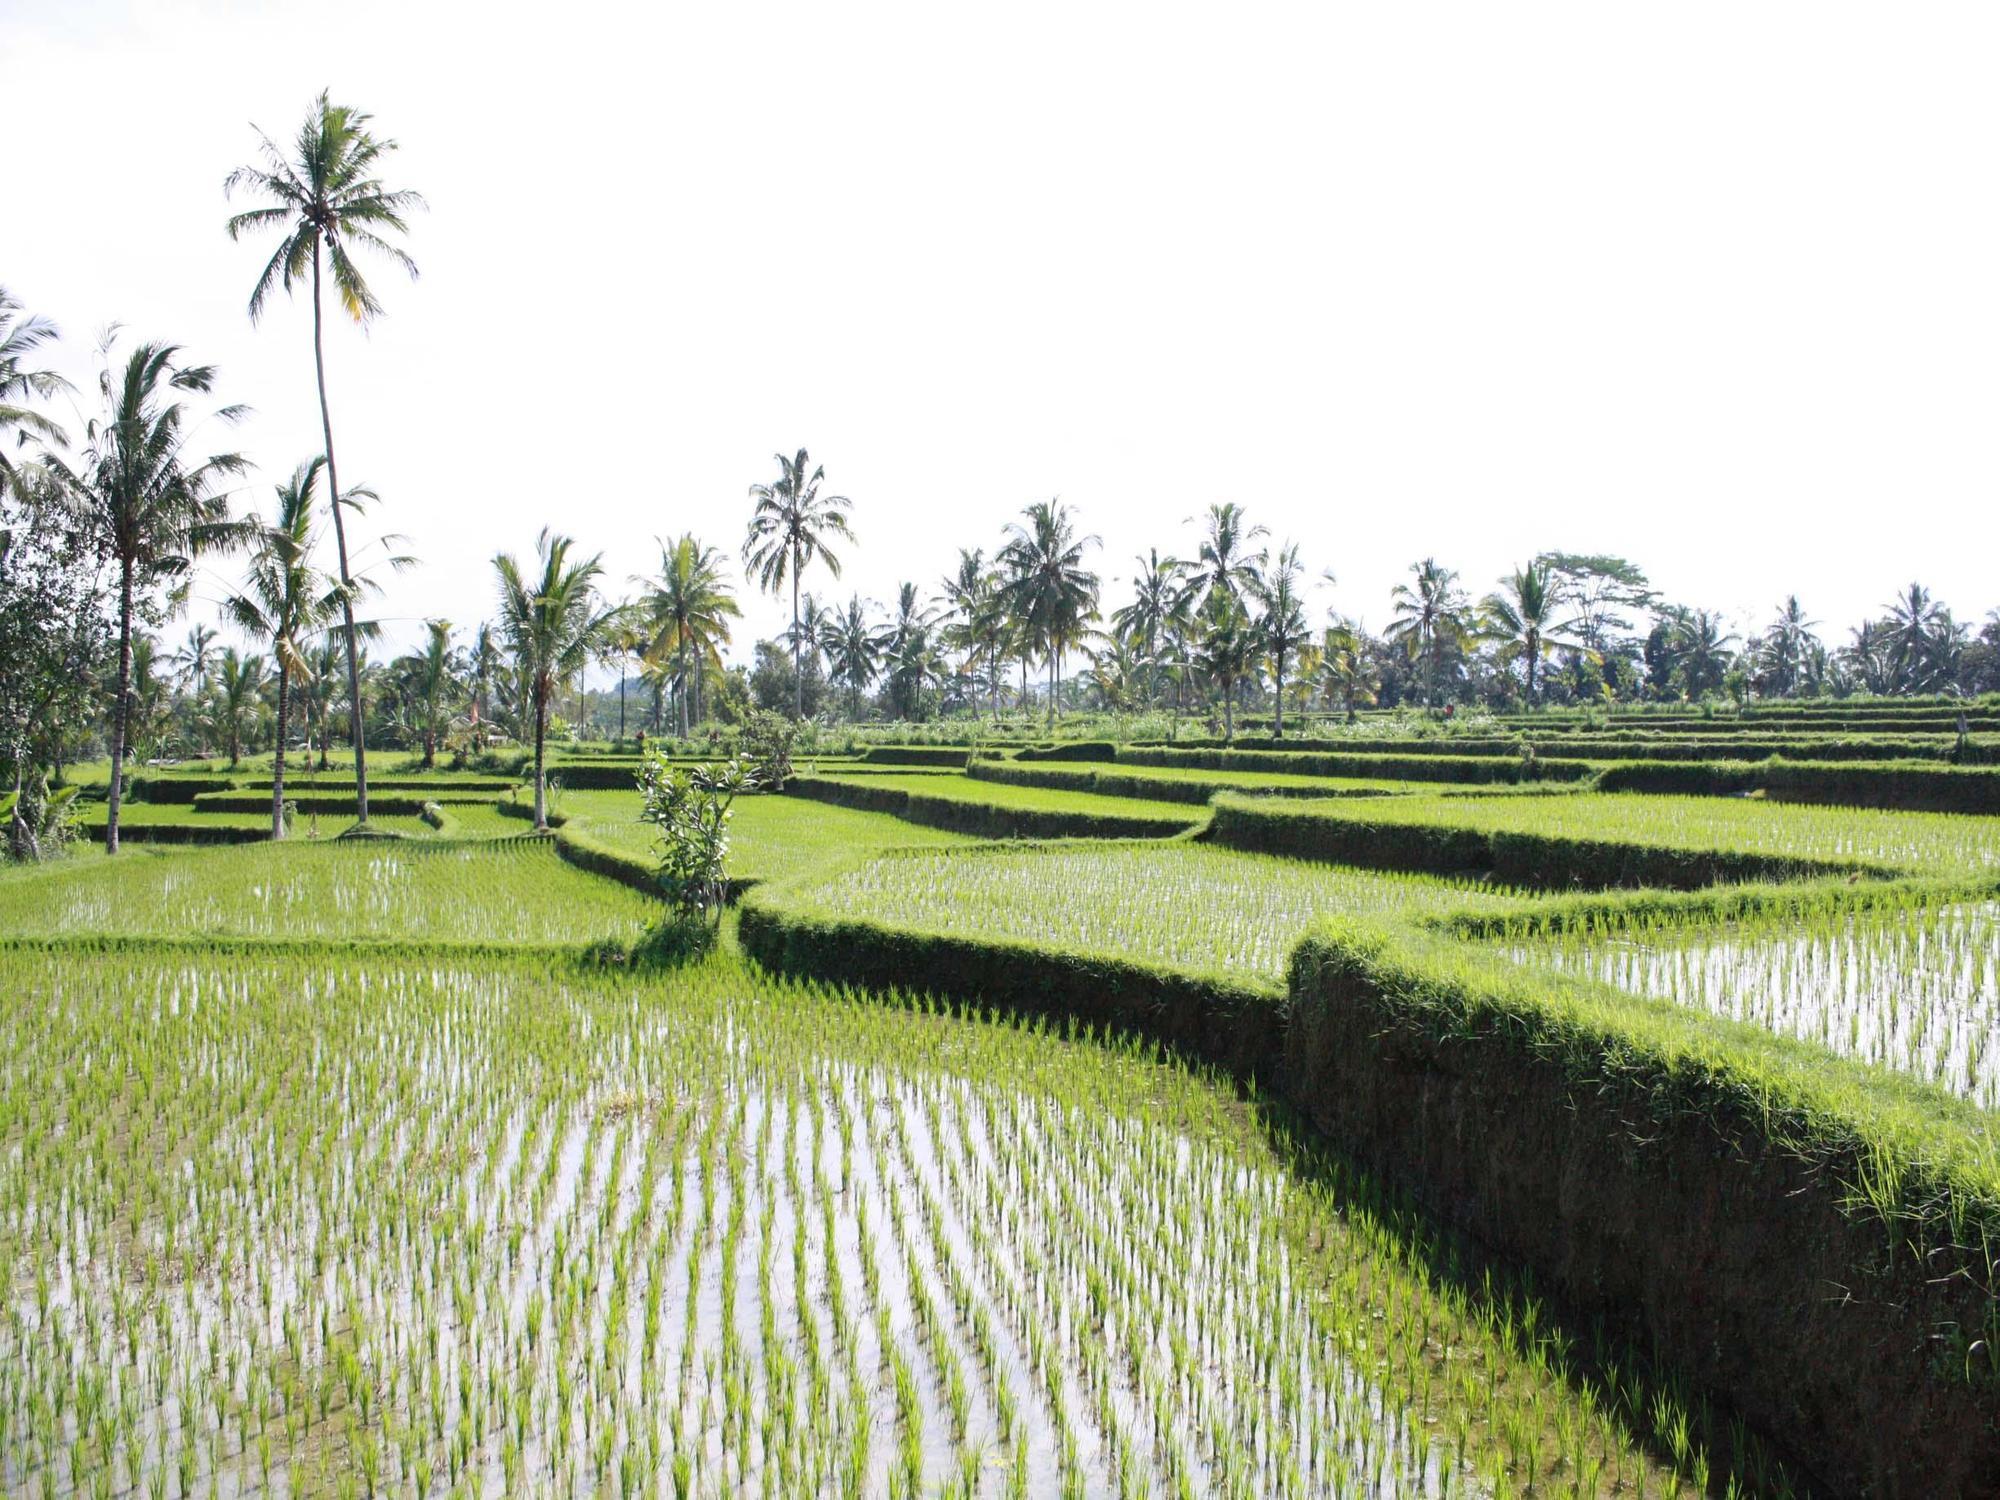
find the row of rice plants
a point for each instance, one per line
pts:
(401, 890)
(1942, 843)
(1192, 905)
(323, 1225)
(1911, 983)
(957, 787)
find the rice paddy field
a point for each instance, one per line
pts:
(1931, 843)
(309, 1223)
(1913, 986)
(391, 1167)
(1189, 905)
(512, 892)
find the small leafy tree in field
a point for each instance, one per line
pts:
(767, 741)
(689, 809)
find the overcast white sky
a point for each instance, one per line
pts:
(1711, 285)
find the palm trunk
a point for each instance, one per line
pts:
(1052, 689)
(541, 799)
(1228, 712)
(1278, 703)
(278, 756)
(681, 692)
(621, 705)
(798, 677)
(121, 710)
(346, 582)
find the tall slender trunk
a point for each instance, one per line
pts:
(621, 704)
(346, 581)
(121, 710)
(1052, 688)
(278, 755)
(798, 677)
(1278, 703)
(1228, 712)
(541, 797)
(681, 691)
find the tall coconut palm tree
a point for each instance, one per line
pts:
(552, 620)
(239, 694)
(794, 526)
(853, 647)
(964, 597)
(1429, 619)
(1913, 620)
(485, 669)
(1699, 645)
(194, 659)
(1049, 591)
(150, 505)
(1345, 675)
(1787, 646)
(687, 607)
(1226, 649)
(910, 653)
(432, 676)
(1225, 562)
(286, 603)
(1521, 616)
(326, 201)
(1157, 586)
(19, 339)
(1281, 622)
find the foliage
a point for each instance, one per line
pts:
(688, 808)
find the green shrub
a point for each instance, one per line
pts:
(1908, 785)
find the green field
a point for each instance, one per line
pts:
(1932, 843)
(376, 890)
(1184, 904)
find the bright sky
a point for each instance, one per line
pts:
(1713, 285)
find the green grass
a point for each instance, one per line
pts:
(1928, 843)
(959, 787)
(399, 890)
(1206, 909)
(769, 837)
(1130, 781)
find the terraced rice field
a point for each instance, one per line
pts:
(377, 889)
(1947, 843)
(1912, 987)
(959, 787)
(322, 1225)
(1185, 904)
(769, 837)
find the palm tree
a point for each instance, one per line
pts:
(1156, 590)
(794, 525)
(1787, 646)
(19, 338)
(1345, 675)
(552, 621)
(853, 647)
(432, 677)
(1521, 616)
(1912, 627)
(687, 607)
(239, 693)
(1225, 563)
(485, 669)
(194, 659)
(1227, 650)
(1429, 620)
(965, 598)
(1699, 643)
(151, 507)
(908, 652)
(1281, 622)
(286, 602)
(326, 200)
(1048, 589)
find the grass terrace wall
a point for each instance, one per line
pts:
(1462, 768)
(1234, 1023)
(1809, 1241)
(1115, 783)
(917, 755)
(1075, 750)
(1536, 861)
(983, 819)
(1908, 785)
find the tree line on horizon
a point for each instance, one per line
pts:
(102, 531)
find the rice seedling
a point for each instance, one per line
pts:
(324, 1224)
(1949, 843)
(1912, 985)
(1187, 904)
(503, 892)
